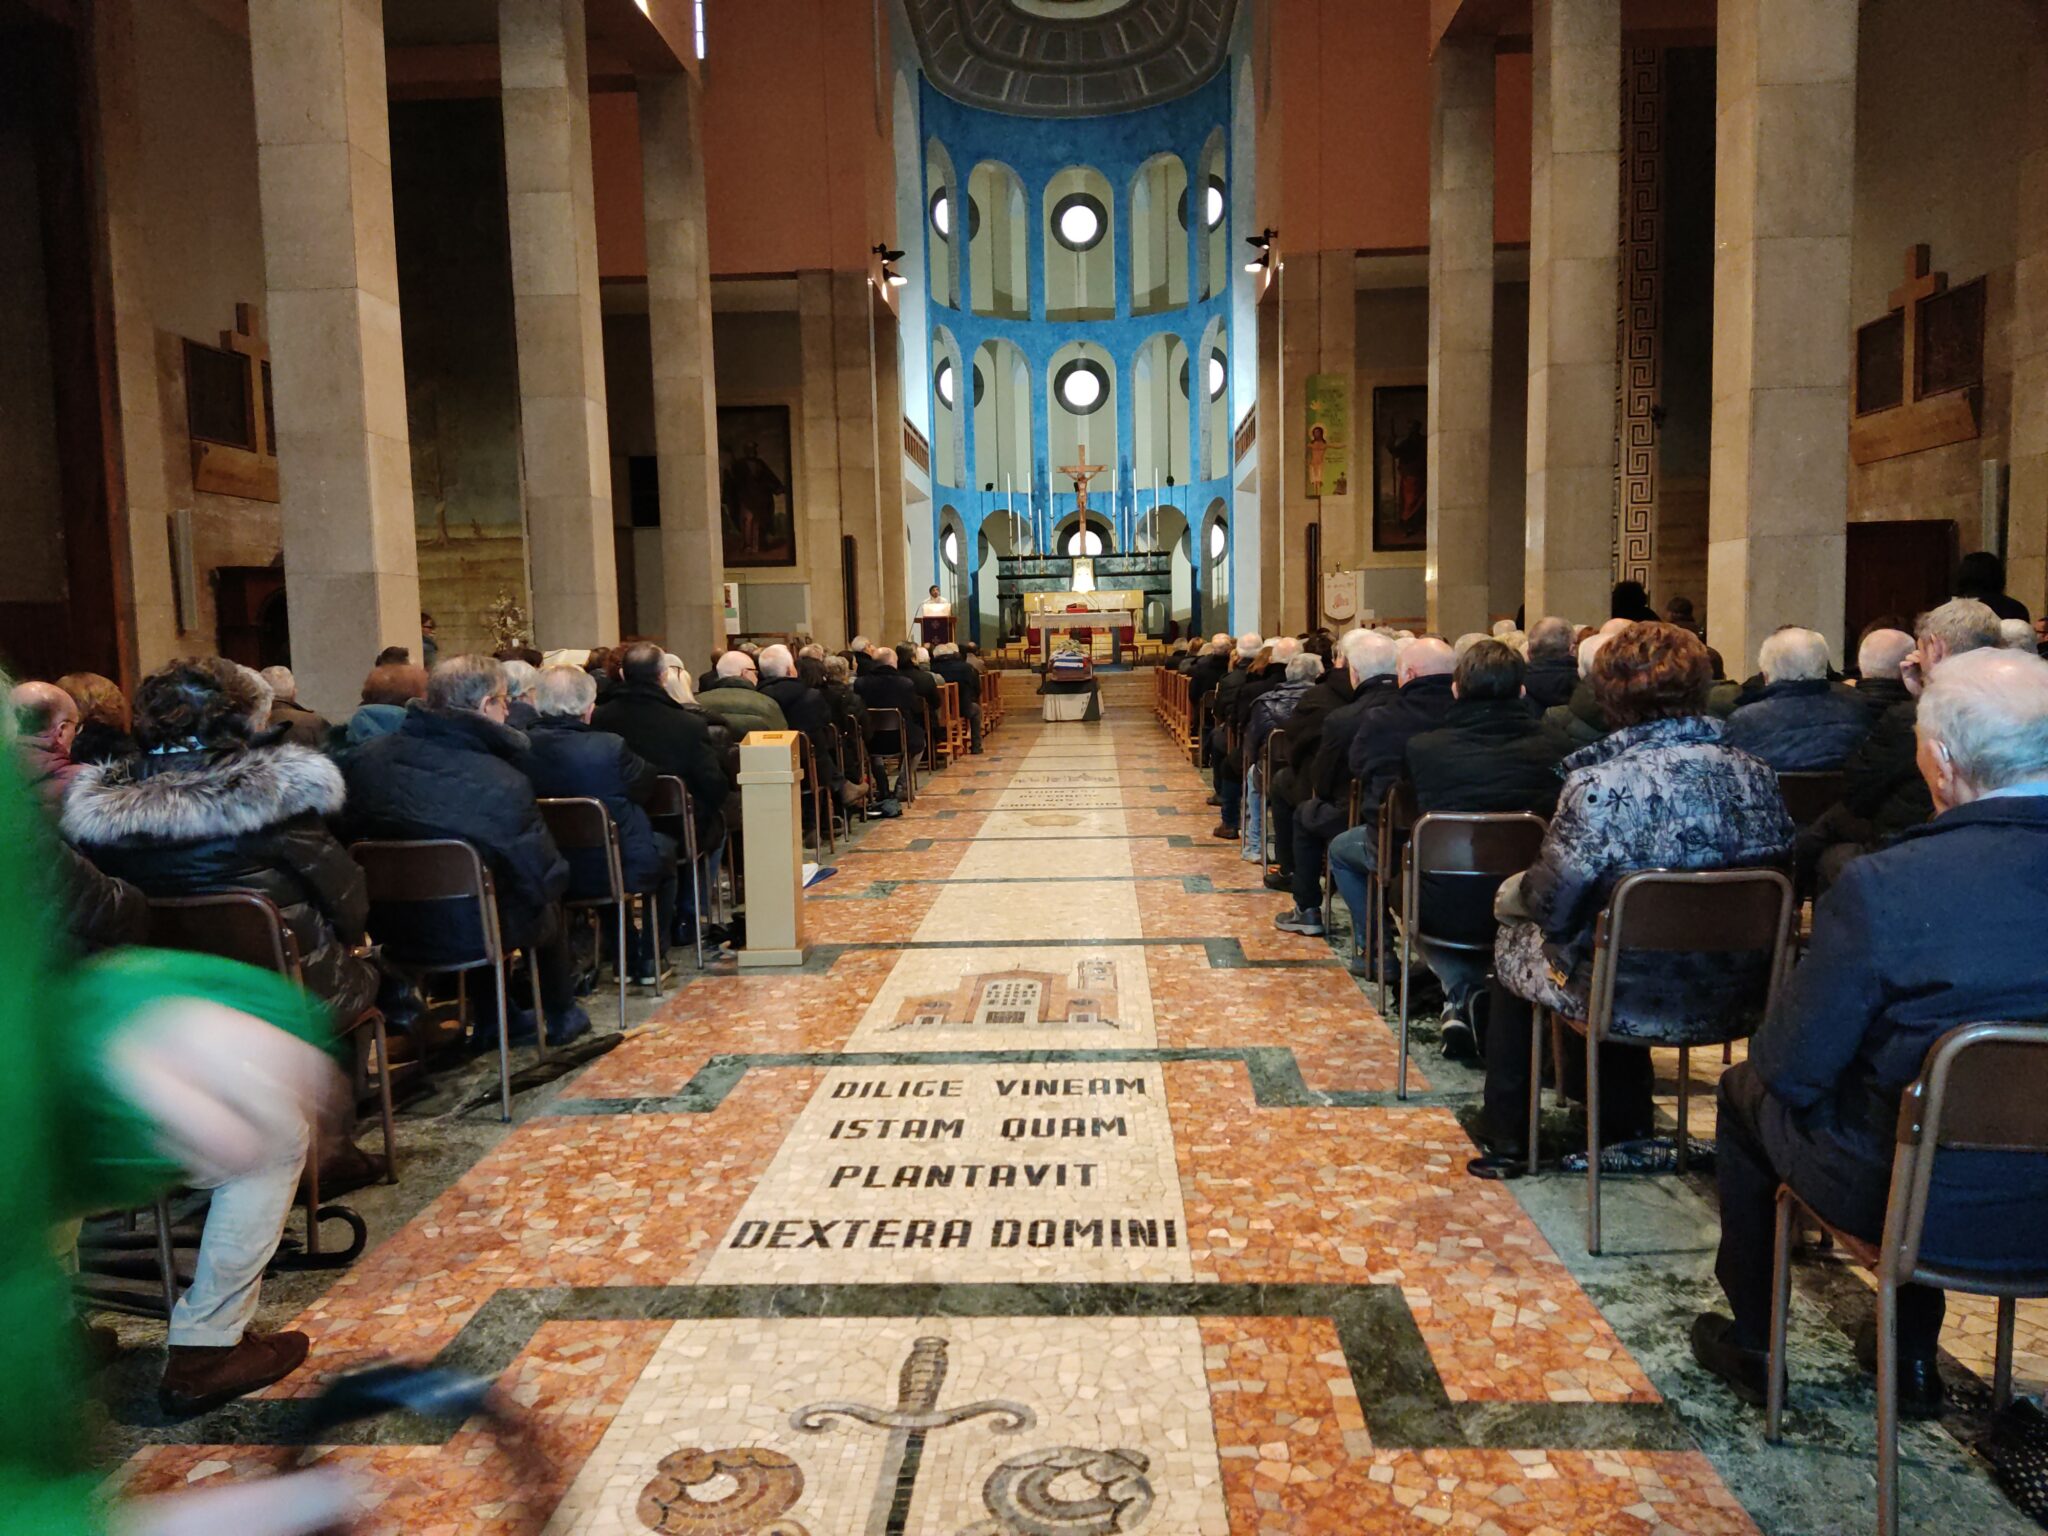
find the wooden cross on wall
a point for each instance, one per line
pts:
(227, 469)
(1899, 406)
(1920, 285)
(1081, 474)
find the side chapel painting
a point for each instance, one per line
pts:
(755, 484)
(1400, 467)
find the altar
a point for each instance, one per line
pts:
(1103, 624)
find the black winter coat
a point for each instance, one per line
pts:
(1800, 727)
(959, 671)
(100, 912)
(1488, 755)
(677, 740)
(570, 759)
(1550, 682)
(242, 819)
(807, 710)
(1205, 672)
(1379, 747)
(1881, 785)
(1940, 929)
(887, 688)
(452, 773)
(1305, 725)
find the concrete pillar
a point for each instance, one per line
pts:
(2026, 540)
(1318, 335)
(817, 511)
(685, 390)
(564, 447)
(855, 388)
(1784, 195)
(843, 448)
(141, 522)
(1460, 334)
(1574, 230)
(337, 368)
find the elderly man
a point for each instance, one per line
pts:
(951, 666)
(1272, 711)
(1800, 722)
(1369, 661)
(303, 727)
(1579, 718)
(1225, 766)
(46, 719)
(807, 710)
(885, 687)
(1883, 793)
(1378, 757)
(570, 758)
(644, 714)
(521, 677)
(1207, 668)
(738, 700)
(1553, 673)
(454, 769)
(1293, 781)
(1878, 660)
(1905, 948)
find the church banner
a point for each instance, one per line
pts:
(1329, 435)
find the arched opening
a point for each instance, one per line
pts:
(999, 248)
(949, 392)
(1002, 418)
(1212, 198)
(1159, 236)
(1212, 608)
(1212, 411)
(942, 217)
(1080, 246)
(954, 572)
(1084, 541)
(1081, 407)
(910, 237)
(1160, 422)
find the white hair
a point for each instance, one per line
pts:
(1961, 624)
(1248, 645)
(1304, 667)
(948, 648)
(1988, 711)
(563, 691)
(1882, 651)
(2017, 635)
(1515, 641)
(1367, 654)
(675, 678)
(921, 656)
(1427, 657)
(1286, 648)
(733, 663)
(1502, 628)
(520, 677)
(1468, 640)
(860, 645)
(1550, 636)
(1588, 649)
(258, 717)
(1793, 655)
(284, 688)
(775, 661)
(464, 682)
(1220, 640)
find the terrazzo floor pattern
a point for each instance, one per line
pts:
(1058, 1193)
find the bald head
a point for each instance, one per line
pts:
(1881, 652)
(1427, 658)
(1285, 649)
(735, 664)
(44, 712)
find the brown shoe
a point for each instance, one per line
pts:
(197, 1379)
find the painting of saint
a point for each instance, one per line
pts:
(755, 485)
(1400, 468)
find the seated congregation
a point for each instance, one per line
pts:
(424, 868)
(1591, 843)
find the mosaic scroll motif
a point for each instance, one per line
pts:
(766, 1486)
(1639, 328)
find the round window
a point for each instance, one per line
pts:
(1079, 221)
(944, 384)
(1083, 541)
(1082, 386)
(949, 547)
(1219, 375)
(942, 214)
(1218, 540)
(1213, 207)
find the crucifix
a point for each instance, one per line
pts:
(1081, 474)
(248, 468)
(1920, 285)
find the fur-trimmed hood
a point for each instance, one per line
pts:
(194, 796)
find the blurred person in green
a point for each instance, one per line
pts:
(124, 1075)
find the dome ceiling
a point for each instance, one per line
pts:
(1070, 58)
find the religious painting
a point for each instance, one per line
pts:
(1400, 468)
(755, 485)
(1328, 455)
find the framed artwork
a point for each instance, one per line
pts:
(1327, 452)
(1400, 467)
(756, 485)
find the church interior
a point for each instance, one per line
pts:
(1087, 362)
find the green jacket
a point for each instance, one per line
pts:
(71, 1145)
(743, 709)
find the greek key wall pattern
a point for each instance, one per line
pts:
(1639, 313)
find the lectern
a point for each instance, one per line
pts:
(935, 623)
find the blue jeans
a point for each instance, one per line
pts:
(1354, 853)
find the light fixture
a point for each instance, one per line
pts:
(1263, 244)
(890, 275)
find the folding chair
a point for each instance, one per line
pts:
(1457, 846)
(1267, 821)
(246, 926)
(410, 872)
(889, 723)
(1396, 816)
(670, 808)
(817, 792)
(1979, 1091)
(1668, 912)
(580, 824)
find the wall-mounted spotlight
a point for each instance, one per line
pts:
(1263, 244)
(890, 275)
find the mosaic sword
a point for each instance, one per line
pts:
(916, 1415)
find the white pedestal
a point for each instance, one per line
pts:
(771, 815)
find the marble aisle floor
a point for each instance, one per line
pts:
(1058, 1192)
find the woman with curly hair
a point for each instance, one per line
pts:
(1660, 792)
(103, 718)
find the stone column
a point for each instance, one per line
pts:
(564, 446)
(685, 391)
(1574, 231)
(1460, 334)
(2026, 539)
(145, 488)
(842, 448)
(899, 599)
(1784, 194)
(337, 367)
(1318, 335)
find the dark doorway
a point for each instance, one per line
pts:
(1897, 570)
(250, 608)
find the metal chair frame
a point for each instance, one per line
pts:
(1494, 844)
(671, 802)
(1976, 1092)
(1396, 816)
(562, 814)
(1268, 823)
(906, 760)
(387, 884)
(1669, 934)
